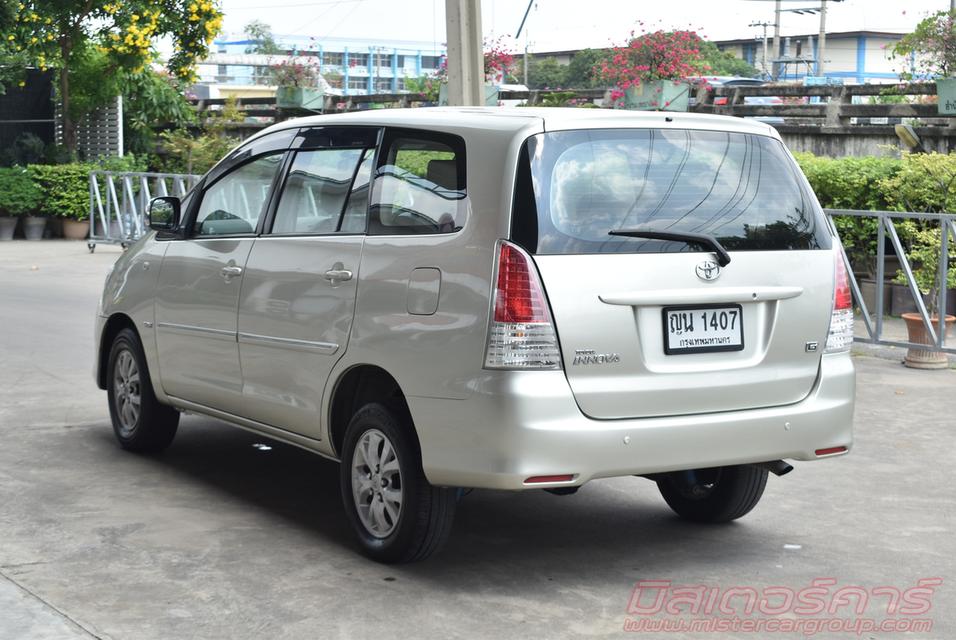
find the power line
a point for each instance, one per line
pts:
(297, 5)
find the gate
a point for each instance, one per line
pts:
(119, 201)
(886, 230)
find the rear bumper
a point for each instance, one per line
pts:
(521, 424)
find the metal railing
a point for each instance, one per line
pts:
(886, 229)
(119, 201)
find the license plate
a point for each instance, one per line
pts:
(703, 329)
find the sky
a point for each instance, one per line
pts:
(555, 25)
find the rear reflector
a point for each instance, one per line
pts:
(545, 479)
(840, 336)
(521, 334)
(829, 451)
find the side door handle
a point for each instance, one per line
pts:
(338, 273)
(230, 271)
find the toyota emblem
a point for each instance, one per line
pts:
(708, 270)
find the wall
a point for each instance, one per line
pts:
(882, 141)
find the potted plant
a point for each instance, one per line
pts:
(298, 85)
(924, 258)
(651, 71)
(930, 52)
(65, 193)
(19, 196)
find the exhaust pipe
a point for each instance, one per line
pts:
(777, 467)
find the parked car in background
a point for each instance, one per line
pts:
(515, 299)
(734, 81)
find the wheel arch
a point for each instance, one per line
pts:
(355, 387)
(116, 323)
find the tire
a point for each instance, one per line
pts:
(721, 494)
(150, 427)
(381, 463)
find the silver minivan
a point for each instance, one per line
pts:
(453, 298)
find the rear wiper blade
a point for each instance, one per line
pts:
(700, 239)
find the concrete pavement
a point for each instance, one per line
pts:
(217, 538)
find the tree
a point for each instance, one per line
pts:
(931, 47)
(722, 63)
(581, 69)
(658, 55)
(61, 33)
(263, 40)
(546, 73)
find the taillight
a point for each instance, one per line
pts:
(840, 336)
(521, 335)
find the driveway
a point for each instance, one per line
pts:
(220, 538)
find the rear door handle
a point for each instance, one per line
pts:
(338, 273)
(230, 272)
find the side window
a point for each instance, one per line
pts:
(419, 186)
(235, 202)
(319, 191)
(354, 219)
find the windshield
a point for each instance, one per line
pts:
(574, 187)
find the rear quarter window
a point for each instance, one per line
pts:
(574, 187)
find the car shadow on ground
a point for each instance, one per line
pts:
(617, 526)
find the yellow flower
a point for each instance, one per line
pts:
(34, 40)
(11, 38)
(135, 17)
(21, 84)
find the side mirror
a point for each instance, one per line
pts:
(163, 214)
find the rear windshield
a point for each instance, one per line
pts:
(573, 187)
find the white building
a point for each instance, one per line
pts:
(351, 66)
(856, 57)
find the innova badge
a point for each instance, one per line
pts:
(708, 270)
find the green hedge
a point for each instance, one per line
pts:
(916, 182)
(919, 183)
(59, 190)
(65, 189)
(849, 183)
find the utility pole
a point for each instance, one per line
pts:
(764, 66)
(518, 35)
(822, 41)
(776, 38)
(466, 66)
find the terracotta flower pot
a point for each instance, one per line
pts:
(75, 229)
(922, 358)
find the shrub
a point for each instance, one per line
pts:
(849, 183)
(27, 148)
(64, 189)
(186, 152)
(19, 194)
(924, 182)
(853, 183)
